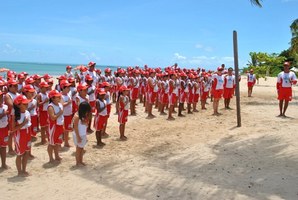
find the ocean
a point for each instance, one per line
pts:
(54, 69)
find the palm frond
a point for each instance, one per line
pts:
(256, 3)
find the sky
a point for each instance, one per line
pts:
(159, 33)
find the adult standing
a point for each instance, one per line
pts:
(285, 80)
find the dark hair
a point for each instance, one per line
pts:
(17, 112)
(84, 108)
(119, 94)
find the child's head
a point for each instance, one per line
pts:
(72, 82)
(88, 79)
(68, 68)
(84, 110)
(65, 86)
(82, 89)
(106, 86)
(20, 105)
(124, 90)
(12, 86)
(43, 87)
(55, 97)
(29, 91)
(101, 93)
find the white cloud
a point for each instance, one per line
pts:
(90, 56)
(8, 49)
(179, 57)
(286, 1)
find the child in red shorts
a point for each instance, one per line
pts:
(3, 131)
(123, 100)
(67, 110)
(21, 122)
(43, 102)
(101, 115)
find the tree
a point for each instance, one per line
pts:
(294, 41)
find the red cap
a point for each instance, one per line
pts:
(220, 68)
(98, 70)
(136, 71)
(50, 81)
(54, 93)
(91, 63)
(62, 77)
(25, 73)
(47, 76)
(100, 91)
(88, 77)
(43, 84)
(36, 76)
(286, 64)
(68, 67)
(2, 83)
(12, 82)
(21, 76)
(21, 99)
(83, 68)
(28, 88)
(123, 88)
(107, 70)
(82, 86)
(64, 83)
(29, 80)
(105, 84)
(70, 80)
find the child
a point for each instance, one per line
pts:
(217, 86)
(106, 87)
(3, 131)
(123, 101)
(80, 124)
(101, 115)
(29, 92)
(21, 125)
(68, 73)
(229, 87)
(56, 119)
(43, 102)
(67, 110)
(251, 81)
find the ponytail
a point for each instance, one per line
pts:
(17, 112)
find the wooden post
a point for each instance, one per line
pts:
(235, 44)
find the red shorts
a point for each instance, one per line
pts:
(67, 122)
(250, 84)
(22, 140)
(217, 94)
(196, 98)
(182, 97)
(134, 93)
(204, 96)
(3, 136)
(285, 94)
(33, 125)
(109, 107)
(151, 97)
(43, 118)
(165, 98)
(55, 134)
(228, 93)
(100, 122)
(172, 99)
(189, 98)
(92, 104)
(122, 116)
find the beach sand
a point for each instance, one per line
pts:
(197, 157)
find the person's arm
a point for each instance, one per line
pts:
(8, 101)
(52, 114)
(16, 127)
(76, 128)
(294, 79)
(66, 103)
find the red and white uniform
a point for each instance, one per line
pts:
(229, 86)
(100, 119)
(80, 99)
(217, 86)
(3, 126)
(123, 110)
(181, 90)
(189, 92)
(73, 95)
(33, 115)
(172, 92)
(22, 137)
(151, 94)
(109, 103)
(56, 126)
(67, 112)
(284, 85)
(43, 110)
(205, 89)
(11, 110)
(251, 80)
(92, 98)
(135, 83)
(196, 88)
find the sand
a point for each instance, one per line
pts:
(197, 157)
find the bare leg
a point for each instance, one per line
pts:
(10, 148)
(66, 139)
(19, 164)
(43, 135)
(56, 152)
(25, 157)
(50, 153)
(285, 107)
(281, 102)
(3, 158)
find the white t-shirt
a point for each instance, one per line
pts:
(286, 79)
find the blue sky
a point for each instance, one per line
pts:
(192, 33)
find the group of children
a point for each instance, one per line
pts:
(32, 104)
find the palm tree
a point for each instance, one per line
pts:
(256, 2)
(294, 40)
